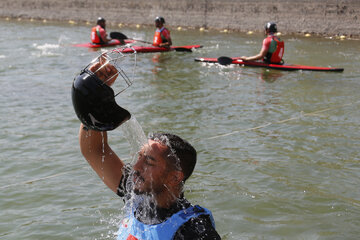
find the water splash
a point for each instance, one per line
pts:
(172, 154)
(63, 40)
(47, 49)
(134, 134)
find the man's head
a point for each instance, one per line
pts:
(101, 21)
(164, 164)
(270, 27)
(159, 21)
(181, 154)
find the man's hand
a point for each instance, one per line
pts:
(244, 58)
(105, 71)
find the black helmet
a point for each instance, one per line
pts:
(160, 19)
(100, 20)
(94, 103)
(271, 27)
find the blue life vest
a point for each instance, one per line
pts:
(133, 229)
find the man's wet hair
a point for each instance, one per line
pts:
(180, 152)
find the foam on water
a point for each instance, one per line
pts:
(47, 49)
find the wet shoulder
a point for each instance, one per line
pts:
(197, 228)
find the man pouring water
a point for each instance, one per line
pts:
(152, 187)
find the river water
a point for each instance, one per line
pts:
(278, 152)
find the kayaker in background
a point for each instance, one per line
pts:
(272, 49)
(153, 187)
(98, 33)
(162, 35)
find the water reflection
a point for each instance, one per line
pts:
(270, 76)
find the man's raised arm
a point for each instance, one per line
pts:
(94, 147)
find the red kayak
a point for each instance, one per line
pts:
(148, 49)
(113, 42)
(288, 67)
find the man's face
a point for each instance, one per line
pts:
(102, 24)
(158, 24)
(151, 171)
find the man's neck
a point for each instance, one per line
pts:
(166, 199)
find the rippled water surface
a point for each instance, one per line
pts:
(278, 152)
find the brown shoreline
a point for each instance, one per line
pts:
(325, 17)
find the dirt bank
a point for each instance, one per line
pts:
(328, 17)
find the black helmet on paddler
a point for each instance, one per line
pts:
(94, 103)
(100, 20)
(160, 19)
(271, 27)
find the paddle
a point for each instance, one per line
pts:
(224, 60)
(181, 49)
(120, 36)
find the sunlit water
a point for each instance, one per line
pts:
(277, 151)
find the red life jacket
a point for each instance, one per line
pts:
(276, 50)
(158, 37)
(95, 35)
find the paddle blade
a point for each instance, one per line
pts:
(118, 35)
(180, 49)
(225, 60)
